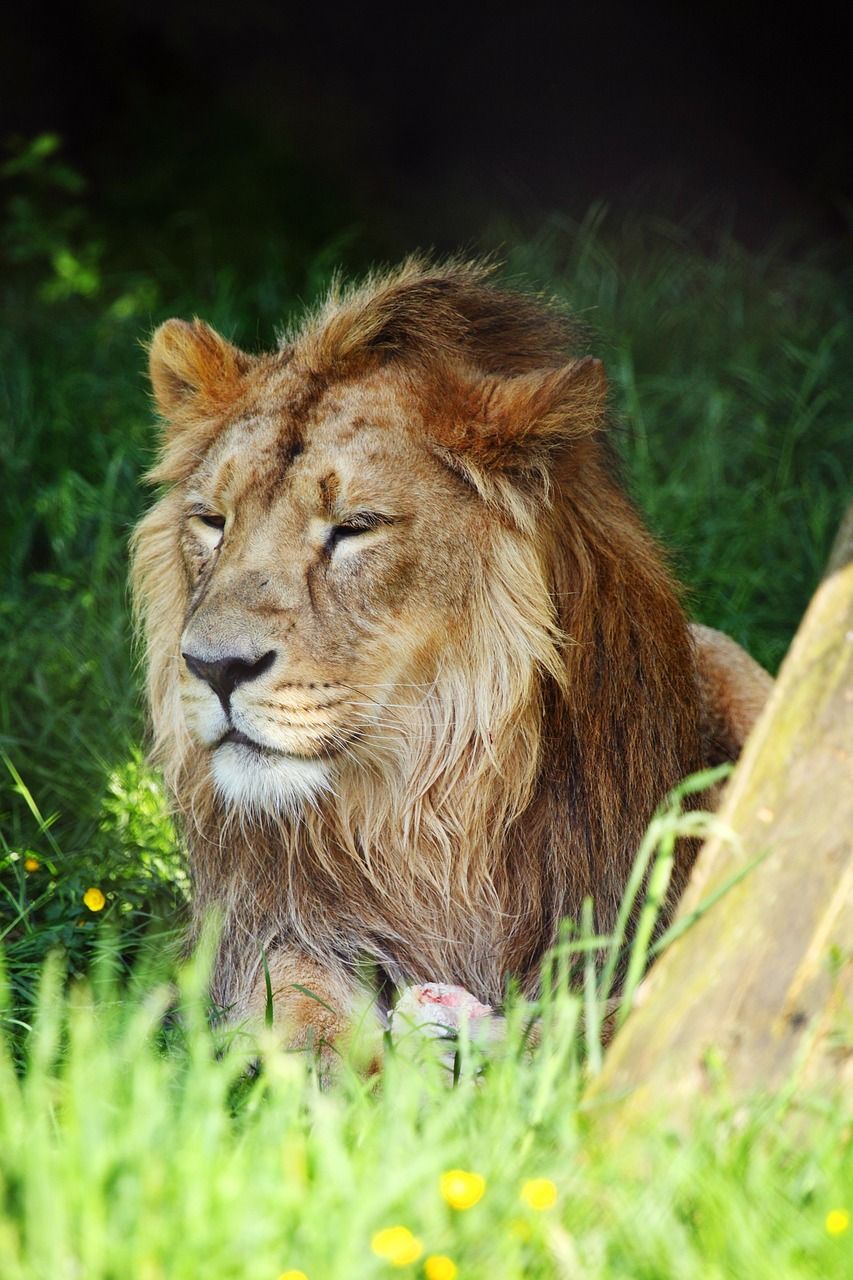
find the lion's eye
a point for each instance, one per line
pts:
(362, 522)
(208, 528)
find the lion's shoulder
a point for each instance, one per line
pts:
(733, 690)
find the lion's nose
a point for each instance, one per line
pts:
(224, 674)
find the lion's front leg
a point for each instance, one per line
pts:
(315, 1007)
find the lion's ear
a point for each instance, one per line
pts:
(194, 372)
(520, 423)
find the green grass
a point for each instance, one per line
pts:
(124, 1153)
(127, 1148)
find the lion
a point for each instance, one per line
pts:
(418, 674)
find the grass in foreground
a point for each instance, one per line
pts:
(134, 1143)
(126, 1155)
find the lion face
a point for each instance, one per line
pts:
(323, 556)
(327, 566)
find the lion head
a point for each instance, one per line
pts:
(403, 625)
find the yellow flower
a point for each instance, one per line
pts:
(396, 1245)
(539, 1194)
(439, 1267)
(461, 1188)
(94, 900)
(31, 864)
(837, 1221)
(293, 1275)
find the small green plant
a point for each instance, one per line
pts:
(47, 222)
(128, 877)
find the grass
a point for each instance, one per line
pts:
(134, 1143)
(127, 1146)
(125, 1152)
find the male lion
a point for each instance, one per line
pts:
(418, 674)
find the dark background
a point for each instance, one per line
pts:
(426, 121)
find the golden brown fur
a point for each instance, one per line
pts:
(473, 707)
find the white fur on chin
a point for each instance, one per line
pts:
(266, 783)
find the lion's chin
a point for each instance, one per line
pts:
(260, 782)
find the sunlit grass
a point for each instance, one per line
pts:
(136, 1140)
(127, 1150)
